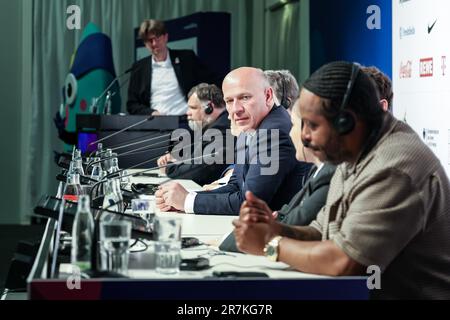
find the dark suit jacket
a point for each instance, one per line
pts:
(189, 71)
(276, 189)
(203, 173)
(304, 206)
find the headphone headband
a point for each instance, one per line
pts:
(209, 106)
(350, 85)
(284, 100)
(345, 121)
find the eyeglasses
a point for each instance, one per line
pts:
(153, 38)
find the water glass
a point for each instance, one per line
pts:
(168, 245)
(144, 208)
(115, 239)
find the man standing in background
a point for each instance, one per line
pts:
(159, 84)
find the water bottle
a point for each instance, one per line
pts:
(96, 169)
(113, 200)
(73, 189)
(99, 191)
(108, 102)
(78, 167)
(100, 151)
(114, 166)
(107, 156)
(82, 234)
(124, 179)
(76, 154)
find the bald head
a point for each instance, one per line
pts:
(248, 97)
(247, 74)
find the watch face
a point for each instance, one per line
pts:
(270, 251)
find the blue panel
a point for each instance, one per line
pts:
(84, 139)
(338, 31)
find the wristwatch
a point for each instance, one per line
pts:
(271, 249)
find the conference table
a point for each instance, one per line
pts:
(143, 282)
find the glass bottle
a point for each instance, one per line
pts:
(73, 190)
(96, 169)
(113, 200)
(82, 235)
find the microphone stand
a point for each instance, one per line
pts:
(121, 130)
(132, 144)
(130, 152)
(96, 100)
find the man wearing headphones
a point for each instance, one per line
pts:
(285, 87)
(388, 203)
(285, 92)
(206, 110)
(264, 131)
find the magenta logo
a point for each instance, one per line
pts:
(443, 64)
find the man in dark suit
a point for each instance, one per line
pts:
(304, 206)
(206, 113)
(249, 101)
(159, 84)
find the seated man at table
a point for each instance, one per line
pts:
(285, 92)
(388, 202)
(285, 87)
(206, 111)
(304, 206)
(265, 128)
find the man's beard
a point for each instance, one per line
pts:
(196, 125)
(331, 152)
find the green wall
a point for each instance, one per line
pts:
(15, 97)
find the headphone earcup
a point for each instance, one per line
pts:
(208, 109)
(344, 123)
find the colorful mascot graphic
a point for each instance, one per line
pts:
(89, 88)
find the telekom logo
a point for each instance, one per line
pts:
(444, 64)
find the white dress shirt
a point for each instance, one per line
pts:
(166, 95)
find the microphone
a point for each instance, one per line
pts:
(132, 142)
(149, 147)
(117, 173)
(96, 100)
(129, 144)
(121, 130)
(129, 152)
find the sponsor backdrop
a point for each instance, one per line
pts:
(421, 29)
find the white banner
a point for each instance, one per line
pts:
(421, 54)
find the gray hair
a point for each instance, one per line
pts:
(284, 85)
